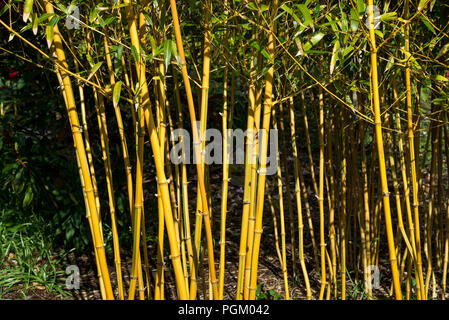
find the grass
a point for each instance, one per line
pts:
(28, 262)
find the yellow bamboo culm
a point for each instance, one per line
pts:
(380, 152)
(147, 116)
(268, 103)
(81, 153)
(198, 155)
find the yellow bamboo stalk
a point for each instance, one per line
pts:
(297, 171)
(247, 186)
(185, 197)
(155, 144)
(268, 103)
(79, 145)
(224, 190)
(380, 149)
(283, 258)
(199, 158)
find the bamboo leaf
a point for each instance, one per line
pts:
(49, 32)
(422, 3)
(428, 25)
(27, 7)
(54, 21)
(290, 12)
(116, 93)
(443, 51)
(440, 78)
(94, 69)
(135, 54)
(174, 51)
(308, 21)
(28, 197)
(167, 53)
(45, 16)
(334, 55)
(313, 41)
(35, 23)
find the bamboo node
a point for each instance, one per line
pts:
(386, 194)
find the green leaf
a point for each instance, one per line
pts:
(290, 12)
(313, 41)
(49, 32)
(428, 25)
(28, 197)
(422, 3)
(116, 93)
(93, 14)
(440, 78)
(4, 9)
(174, 51)
(308, 21)
(167, 53)
(389, 16)
(443, 51)
(54, 21)
(61, 7)
(45, 16)
(135, 54)
(252, 6)
(94, 69)
(27, 7)
(334, 55)
(354, 20)
(119, 52)
(361, 7)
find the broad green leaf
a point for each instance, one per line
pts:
(45, 16)
(428, 25)
(354, 20)
(49, 32)
(167, 53)
(422, 3)
(35, 23)
(344, 22)
(308, 21)
(61, 7)
(28, 197)
(313, 41)
(252, 6)
(334, 56)
(361, 7)
(27, 7)
(379, 33)
(290, 12)
(389, 16)
(116, 93)
(263, 7)
(443, 51)
(94, 69)
(135, 54)
(4, 9)
(174, 51)
(54, 21)
(93, 14)
(119, 52)
(441, 78)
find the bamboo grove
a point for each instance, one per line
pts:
(357, 90)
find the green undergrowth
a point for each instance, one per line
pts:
(28, 263)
